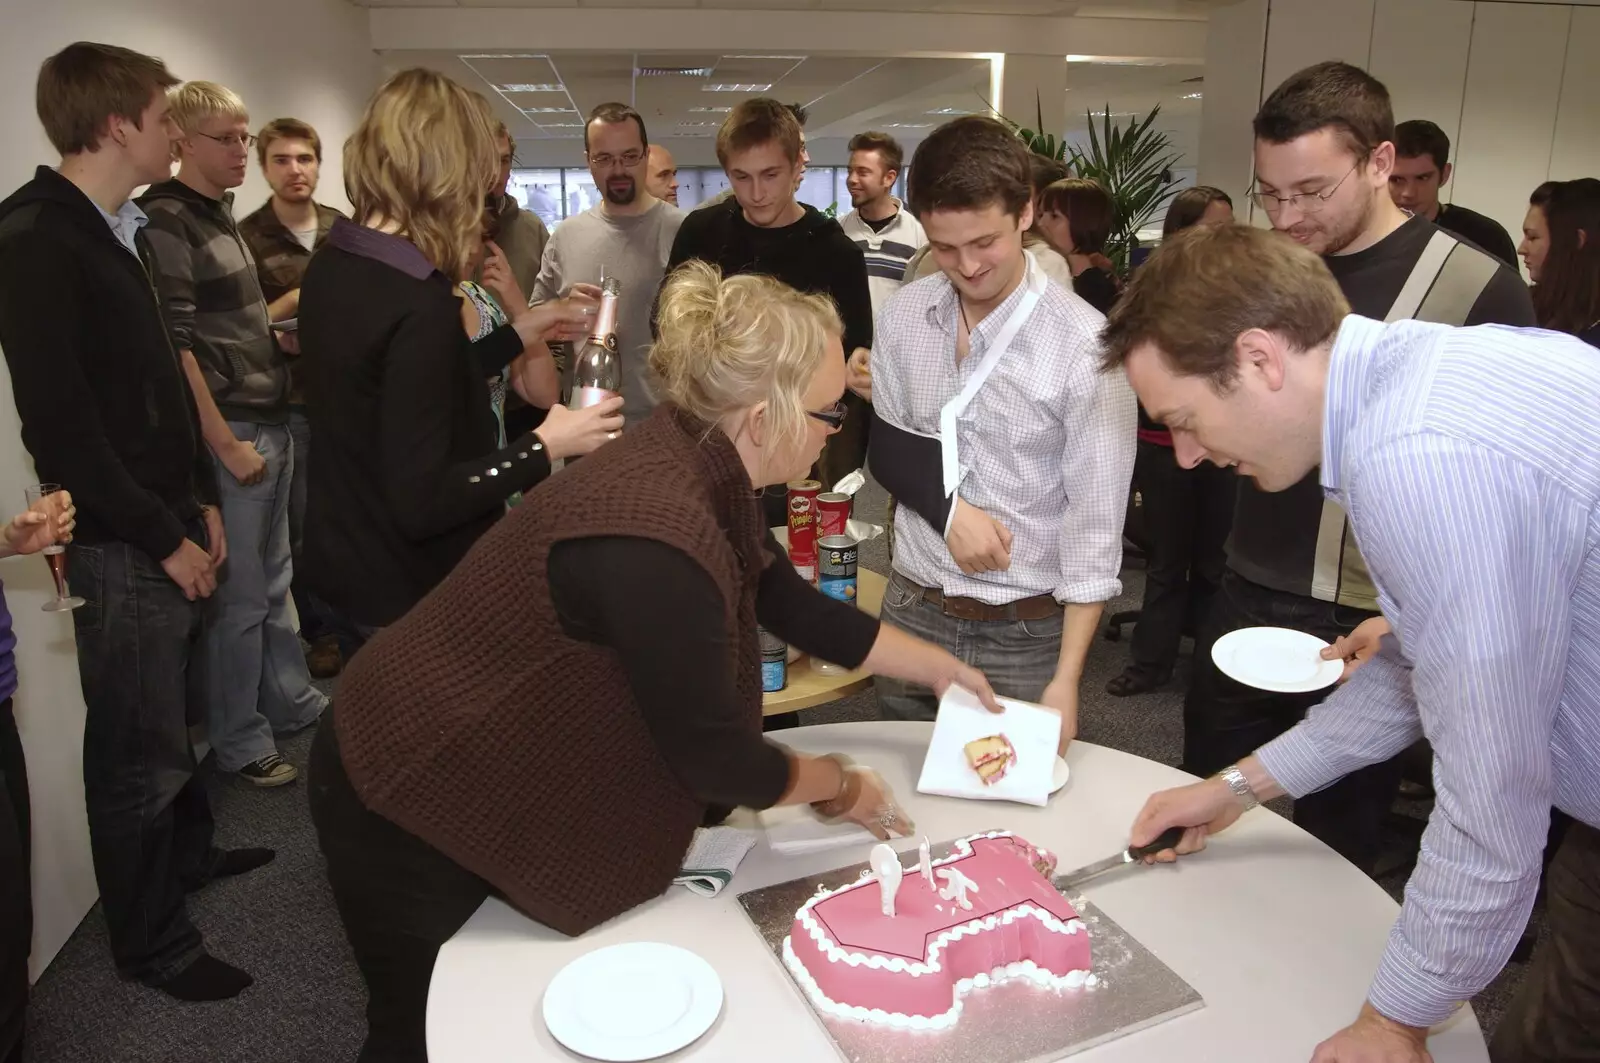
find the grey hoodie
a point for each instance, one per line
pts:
(213, 303)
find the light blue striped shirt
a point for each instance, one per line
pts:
(1468, 461)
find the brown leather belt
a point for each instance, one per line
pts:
(1039, 607)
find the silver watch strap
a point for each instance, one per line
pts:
(1239, 785)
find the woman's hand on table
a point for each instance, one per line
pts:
(1374, 1038)
(876, 809)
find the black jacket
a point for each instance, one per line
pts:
(106, 410)
(813, 255)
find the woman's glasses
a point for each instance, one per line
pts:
(833, 416)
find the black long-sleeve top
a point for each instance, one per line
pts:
(671, 643)
(106, 411)
(407, 475)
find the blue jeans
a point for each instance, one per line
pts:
(1018, 656)
(313, 618)
(256, 678)
(149, 819)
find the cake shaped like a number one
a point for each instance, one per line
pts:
(912, 969)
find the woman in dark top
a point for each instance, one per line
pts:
(408, 474)
(553, 722)
(1187, 512)
(1561, 247)
(1075, 216)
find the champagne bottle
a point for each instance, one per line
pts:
(597, 374)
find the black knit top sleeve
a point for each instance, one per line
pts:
(661, 611)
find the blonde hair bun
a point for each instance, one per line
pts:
(724, 344)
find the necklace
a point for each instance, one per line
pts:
(963, 308)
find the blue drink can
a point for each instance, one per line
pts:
(836, 567)
(774, 662)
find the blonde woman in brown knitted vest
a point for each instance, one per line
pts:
(556, 718)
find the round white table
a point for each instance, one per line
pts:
(1278, 933)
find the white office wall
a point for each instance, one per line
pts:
(1514, 84)
(308, 58)
(1508, 111)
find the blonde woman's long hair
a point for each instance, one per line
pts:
(422, 159)
(725, 344)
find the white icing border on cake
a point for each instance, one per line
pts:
(1076, 979)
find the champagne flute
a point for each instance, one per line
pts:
(39, 501)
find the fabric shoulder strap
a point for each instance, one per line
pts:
(1445, 283)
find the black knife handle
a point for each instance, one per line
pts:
(1168, 839)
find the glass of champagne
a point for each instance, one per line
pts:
(39, 501)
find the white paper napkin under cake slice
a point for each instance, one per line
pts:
(1034, 732)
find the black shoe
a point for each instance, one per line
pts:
(207, 978)
(231, 862)
(1138, 679)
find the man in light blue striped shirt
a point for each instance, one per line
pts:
(1468, 461)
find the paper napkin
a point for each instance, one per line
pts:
(1033, 730)
(713, 857)
(793, 830)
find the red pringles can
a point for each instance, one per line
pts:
(833, 514)
(803, 526)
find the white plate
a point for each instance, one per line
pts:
(1279, 659)
(1059, 777)
(631, 1002)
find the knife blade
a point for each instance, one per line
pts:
(1167, 840)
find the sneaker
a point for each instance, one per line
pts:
(270, 770)
(323, 659)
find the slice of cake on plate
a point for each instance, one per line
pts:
(991, 757)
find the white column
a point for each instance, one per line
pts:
(1235, 51)
(1031, 86)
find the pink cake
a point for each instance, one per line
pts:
(913, 968)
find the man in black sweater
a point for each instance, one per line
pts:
(1324, 152)
(1421, 168)
(764, 229)
(106, 413)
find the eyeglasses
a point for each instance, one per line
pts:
(232, 140)
(833, 416)
(1304, 202)
(629, 160)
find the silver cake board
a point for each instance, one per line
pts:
(1015, 1022)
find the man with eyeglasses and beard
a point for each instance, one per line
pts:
(1324, 153)
(627, 235)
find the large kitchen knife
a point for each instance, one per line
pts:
(1168, 840)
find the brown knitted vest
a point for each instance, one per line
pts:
(476, 724)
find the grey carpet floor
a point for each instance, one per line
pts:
(279, 922)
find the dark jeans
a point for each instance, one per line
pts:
(399, 898)
(1224, 721)
(16, 903)
(149, 818)
(1555, 1015)
(1018, 656)
(1187, 516)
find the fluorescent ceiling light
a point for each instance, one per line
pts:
(1119, 60)
(790, 58)
(520, 87)
(561, 125)
(673, 71)
(549, 110)
(951, 110)
(1192, 96)
(737, 87)
(709, 110)
(504, 55)
(908, 125)
(687, 125)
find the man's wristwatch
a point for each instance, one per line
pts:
(1239, 785)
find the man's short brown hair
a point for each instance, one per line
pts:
(1203, 288)
(887, 147)
(1329, 95)
(83, 86)
(969, 164)
(286, 129)
(611, 114)
(756, 121)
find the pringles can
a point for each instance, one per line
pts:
(836, 567)
(803, 527)
(833, 513)
(774, 662)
